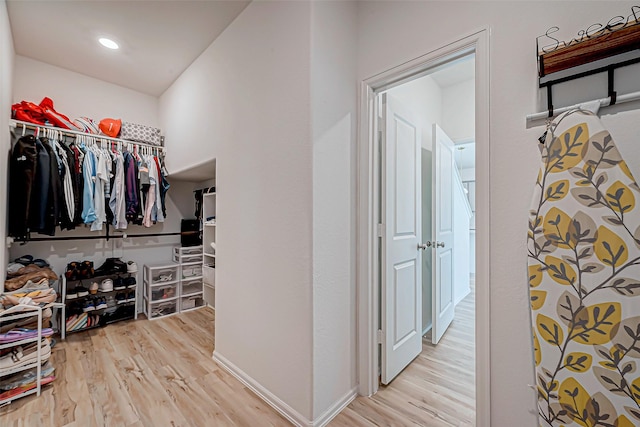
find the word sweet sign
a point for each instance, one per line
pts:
(592, 31)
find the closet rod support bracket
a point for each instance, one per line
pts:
(9, 241)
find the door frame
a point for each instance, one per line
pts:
(369, 208)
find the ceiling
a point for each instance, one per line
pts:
(158, 39)
(455, 72)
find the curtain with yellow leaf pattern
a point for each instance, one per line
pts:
(584, 277)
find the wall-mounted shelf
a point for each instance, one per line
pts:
(606, 52)
(590, 50)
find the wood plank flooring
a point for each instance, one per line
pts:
(160, 373)
(143, 373)
(436, 390)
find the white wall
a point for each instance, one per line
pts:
(333, 96)
(7, 57)
(514, 152)
(246, 102)
(78, 95)
(424, 97)
(458, 111)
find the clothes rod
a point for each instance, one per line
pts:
(68, 132)
(604, 102)
(117, 236)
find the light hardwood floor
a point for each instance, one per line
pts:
(437, 389)
(138, 374)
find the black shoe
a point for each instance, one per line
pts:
(121, 297)
(100, 303)
(86, 270)
(118, 284)
(130, 282)
(112, 266)
(131, 296)
(81, 291)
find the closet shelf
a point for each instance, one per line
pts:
(17, 343)
(19, 369)
(68, 132)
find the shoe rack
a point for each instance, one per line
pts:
(21, 355)
(88, 305)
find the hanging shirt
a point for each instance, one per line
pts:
(89, 174)
(117, 202)
(159, 215)
(40, 193)
(131, 193)
(150, 211)
(102, 177)
(66, 181)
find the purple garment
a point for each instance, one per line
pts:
(131, 194)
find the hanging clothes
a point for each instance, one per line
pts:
(131, 195)
(117, 202)
(52, 212)
(22, 168)
(54, 184)
(584, 265)
(101, 180)
(89, 175)
(68, 195)
(77, 180)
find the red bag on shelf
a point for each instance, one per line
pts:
(40, 114)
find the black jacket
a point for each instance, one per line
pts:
(22, 170)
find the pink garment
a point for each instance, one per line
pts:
(151, 200)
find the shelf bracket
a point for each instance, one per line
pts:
(610, 85)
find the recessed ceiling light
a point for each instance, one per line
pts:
(108, 43)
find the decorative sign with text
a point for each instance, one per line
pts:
(592, 31)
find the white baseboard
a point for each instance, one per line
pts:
(287, 411)
(336, 408)
(295, 417)
(467, 291)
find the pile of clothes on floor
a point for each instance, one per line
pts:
(29, 282)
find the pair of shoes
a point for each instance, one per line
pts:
(118, 284)
(79, 270)
(111, 266)
(130, 282)
(77, 292)
(19, 334)
(28, 259)
(24, 355)
(106, 285)
(123, 297)
(91, 304)
(164, 276)
(132, 267)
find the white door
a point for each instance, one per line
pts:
(442, 249)
(401, 260)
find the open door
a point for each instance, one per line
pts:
(401, 296)
(442, 248)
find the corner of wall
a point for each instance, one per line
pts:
(7, 58)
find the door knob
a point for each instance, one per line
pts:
(424, 246)
(439, 244)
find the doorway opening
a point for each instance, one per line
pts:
(425, 147)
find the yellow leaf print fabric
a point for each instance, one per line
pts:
(584, 278)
